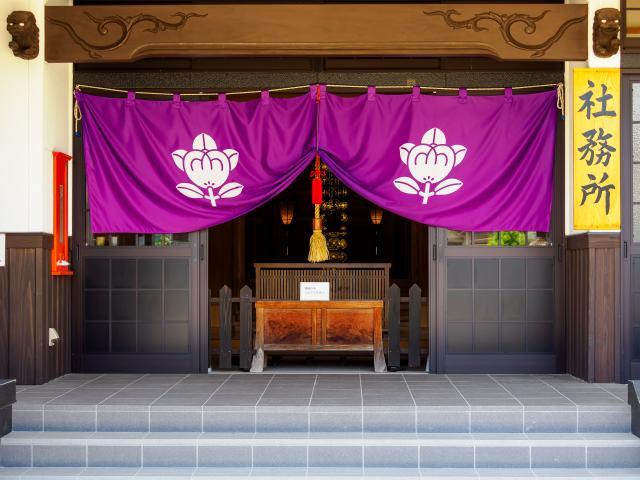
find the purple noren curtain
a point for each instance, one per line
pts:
(480, 163)
(178, 166)
(477, 163)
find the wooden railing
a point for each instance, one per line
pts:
(241, 309)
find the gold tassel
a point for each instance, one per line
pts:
(318, 251)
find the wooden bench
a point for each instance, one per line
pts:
(339, 325)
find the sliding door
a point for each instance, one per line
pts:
(139, 301)
(497, 298)
(630, 191)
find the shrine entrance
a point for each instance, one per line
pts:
(370, 250)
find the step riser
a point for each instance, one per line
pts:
(301, 421)
(319, 456)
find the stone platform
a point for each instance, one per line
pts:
(400, 425)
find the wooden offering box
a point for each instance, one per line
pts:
(340, 325)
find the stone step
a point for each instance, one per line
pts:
(243, 454)
(305, 419)
(101, 473)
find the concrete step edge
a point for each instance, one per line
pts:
(99, 473)
(546, 440)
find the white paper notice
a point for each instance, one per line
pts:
(310, 291)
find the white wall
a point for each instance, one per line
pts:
(36, 119)
(592, 62)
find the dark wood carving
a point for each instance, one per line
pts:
(606, 32)
(505, 25)
(25, 35)
(110, 33)
(126, 26)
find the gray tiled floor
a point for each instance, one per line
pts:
(323, 390)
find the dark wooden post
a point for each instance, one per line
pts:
(415, 292)
(593, 306)
(225, 328)
(246, 328)
(394, 328)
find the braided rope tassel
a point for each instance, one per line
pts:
(318, 251)
(560, 101)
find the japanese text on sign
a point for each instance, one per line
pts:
(596, 149)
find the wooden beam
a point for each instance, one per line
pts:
(121, 33)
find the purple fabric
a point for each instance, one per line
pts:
(151, 164)
(493, 169)
(477, 163)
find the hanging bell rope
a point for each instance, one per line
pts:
(318, 251)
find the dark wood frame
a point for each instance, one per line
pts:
(628, 368)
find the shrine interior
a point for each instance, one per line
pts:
(278, 232)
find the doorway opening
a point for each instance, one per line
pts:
(360, 236)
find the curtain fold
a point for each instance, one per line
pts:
(474, 163)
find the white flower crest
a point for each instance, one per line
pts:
(429, 163)
(208, 169)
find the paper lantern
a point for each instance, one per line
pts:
(376, 214)
(286, 213)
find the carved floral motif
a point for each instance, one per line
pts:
(126, 25)
(505, 24)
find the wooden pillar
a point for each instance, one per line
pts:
(593, 306)
(32, 302)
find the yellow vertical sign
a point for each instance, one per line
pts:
(596, 148)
